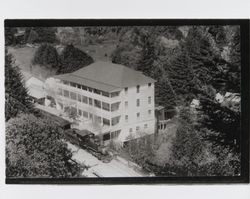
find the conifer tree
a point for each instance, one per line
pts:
(16, 95)
(146, 63)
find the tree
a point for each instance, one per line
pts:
(182, 78)
(40, 35)
(223, 122)
(46, 55)
(73, 59)
(234, 66)
(146, 63)
(9, 34)
(191, 154)
(164, 94)
(34, 148)
(17, 99)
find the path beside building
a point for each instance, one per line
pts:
(118, 167)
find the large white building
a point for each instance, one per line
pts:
(110, 99)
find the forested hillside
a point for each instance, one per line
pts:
(187, 62)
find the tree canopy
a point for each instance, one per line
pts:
(73, 59)
(17, 99)
(46, 55)
(40, 35)
(34, 148)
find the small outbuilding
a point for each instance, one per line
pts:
(36, 89)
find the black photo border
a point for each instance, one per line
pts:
(244, 28)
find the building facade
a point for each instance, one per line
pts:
(108, 99)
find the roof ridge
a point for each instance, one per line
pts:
(94, 80)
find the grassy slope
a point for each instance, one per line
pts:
(23, 59)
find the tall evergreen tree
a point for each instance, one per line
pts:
(16, 95)
(182, 78)
(146, 63)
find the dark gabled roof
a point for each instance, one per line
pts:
(106, 76)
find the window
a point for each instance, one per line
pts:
(73, 95)
(106, 121)
(97, 103)
(130, 130)
(126, 104)
(65, 93)
(115, 134)
(115, 94)
(84, 87)
(90, 89)
(72, 84)
(145, 126)
(85, 99)
(138, 115)
(115, 120)
(149, 84)
(137, 128)
(137, 88)
(106, 94)
(96, 91)
(91, 116)
(106, 136)
(149, 112)
(85, 114)
(80, 112)
(105, 106)
(149, 100)
(126, 90)
(79, 86)
(126, 118)
(79, 97)
(90, 101)
(138, 102)
(115, 106)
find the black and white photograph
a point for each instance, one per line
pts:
(118, 100)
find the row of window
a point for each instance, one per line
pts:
(92, 90)
(138, 102)
(87, 115)
(138, 128)
(137, 88)
(111, 135)
(137, 115)
(90, 101)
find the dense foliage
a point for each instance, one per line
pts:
(46, 55)
(199, 64)
(40, 35)
(9, 34)
(73, 59)
(34, 148)
(16, 95)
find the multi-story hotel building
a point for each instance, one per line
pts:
(110, 99)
